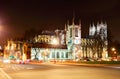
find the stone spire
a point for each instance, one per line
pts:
(65, 27)
(90, 30)
(79, 22)
(73, 18)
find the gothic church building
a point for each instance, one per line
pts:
(63, 45)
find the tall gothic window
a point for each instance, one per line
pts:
(76, 32)
(66, 54)
(70, 32)
(57, 54)
(62, 55)
(53, 54)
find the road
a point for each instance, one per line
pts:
(54, 71)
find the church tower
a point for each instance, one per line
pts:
(92, 30)
(74, 39)
(103, 36)
(99, 33)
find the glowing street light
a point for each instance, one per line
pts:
(113, 49)
(114, 53)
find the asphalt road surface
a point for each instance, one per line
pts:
(51, 71)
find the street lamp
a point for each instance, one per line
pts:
(114, 53)
(113, 49)
(54, 42)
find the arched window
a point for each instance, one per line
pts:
(66, 54)
(53, 54)
(58, 55)
(62, 55)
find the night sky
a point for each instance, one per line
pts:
(16, 16)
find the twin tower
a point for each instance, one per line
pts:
(73, 32)
(99, 30)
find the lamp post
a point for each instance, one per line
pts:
(54, 42)
(113, 49)
(114, 53)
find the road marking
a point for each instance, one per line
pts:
(29, 68)
(5, 74)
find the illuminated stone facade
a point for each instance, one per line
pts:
(73, 40)
(50, 46)
(92, 47)
(13, 50)
(16, 50)
(99, 33)
(64, 44)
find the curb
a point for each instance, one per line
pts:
(81, 64)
